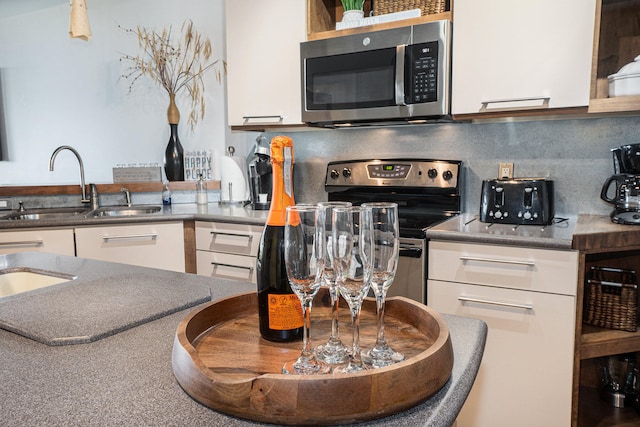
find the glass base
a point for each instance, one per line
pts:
(333, 352)
(305, 367)
(351, 367)
(379, 357)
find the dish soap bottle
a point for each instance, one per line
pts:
(279, 308)
(166, 194)
(201, 192)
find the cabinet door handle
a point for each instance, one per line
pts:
(543, 105)
(498, 261)
(248, 236)
(219, 264)
(131, 237)
(23, 243)
(278, 118)
(502, 304)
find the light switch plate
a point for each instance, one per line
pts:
(5, 204)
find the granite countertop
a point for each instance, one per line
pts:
(126, 377)
(468, 228)
(175, 212)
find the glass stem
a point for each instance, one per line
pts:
(355, 344)
(380, 302)
(306, 313)
(334, 292)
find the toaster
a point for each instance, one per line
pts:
(517, 201)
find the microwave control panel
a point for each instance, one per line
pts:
(423, 70)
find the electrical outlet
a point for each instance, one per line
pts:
(505, 171)
(5, 204)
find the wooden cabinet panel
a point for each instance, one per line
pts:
(227, 250)
(156, 245)
(525, 377)
(38, 240)
(506, 267)
(263, 61)
(524, 52)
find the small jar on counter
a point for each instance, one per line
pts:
(201, 192)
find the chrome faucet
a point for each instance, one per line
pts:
(127, 195)
(82, 185)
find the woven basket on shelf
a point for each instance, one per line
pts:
(611, 299)
(428, 7)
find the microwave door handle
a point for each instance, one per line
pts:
(400, 50)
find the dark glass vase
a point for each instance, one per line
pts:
(174, 157)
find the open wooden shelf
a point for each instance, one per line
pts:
(322, 16)
(596, 342)
(616, 43)
(596, 412)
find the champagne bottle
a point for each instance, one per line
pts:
(279, 308)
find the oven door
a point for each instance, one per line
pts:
(410, 280)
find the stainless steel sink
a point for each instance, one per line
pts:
(45, 213)
(125, 210)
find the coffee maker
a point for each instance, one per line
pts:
(626, 198)
(260, 176)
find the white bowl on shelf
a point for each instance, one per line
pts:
(626, 82)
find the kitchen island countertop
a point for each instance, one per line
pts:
(126, 378)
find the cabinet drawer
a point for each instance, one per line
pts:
(541, 270)
(239, 239)
(226, 266)
(51, 241)
(158, 245)
(526, 373)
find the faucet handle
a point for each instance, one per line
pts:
(21, 206)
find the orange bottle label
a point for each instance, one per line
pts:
(285, 312)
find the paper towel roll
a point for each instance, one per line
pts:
(233, 180)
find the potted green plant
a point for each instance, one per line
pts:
(352, 10)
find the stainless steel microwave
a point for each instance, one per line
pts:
(400, 74)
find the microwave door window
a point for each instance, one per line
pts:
(358, 80)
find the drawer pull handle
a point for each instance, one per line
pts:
(278, 118)
(526, 103)
(498, 261)
(248, 236)
(23, 243)
(219, 264)
(503, 304)
(131, 237)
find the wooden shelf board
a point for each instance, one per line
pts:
(617, 104)
(387, 25)
(596, 342)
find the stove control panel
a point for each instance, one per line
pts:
(394, 173)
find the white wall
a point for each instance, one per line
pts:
(63, 91)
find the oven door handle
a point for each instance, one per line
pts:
(410, 251)
(399, 84)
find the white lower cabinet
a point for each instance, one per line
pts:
(156, 245)
(227, 250)
(58, 241)
(527, 298)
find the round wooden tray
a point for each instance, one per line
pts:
(221, 361)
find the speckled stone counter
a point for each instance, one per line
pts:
(468, 228)
(127, 379)
(175, 212)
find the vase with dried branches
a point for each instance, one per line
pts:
(178, 67)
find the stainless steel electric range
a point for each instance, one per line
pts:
(427, 192)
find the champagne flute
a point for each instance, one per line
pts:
(304, 260)
(333, 351)
(385, 262)
(352, 248)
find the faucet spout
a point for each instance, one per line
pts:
(85, 199)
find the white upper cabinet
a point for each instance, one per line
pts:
(513, 55)
(263, 61)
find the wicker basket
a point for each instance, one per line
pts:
(611, 299)
(428, 7)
